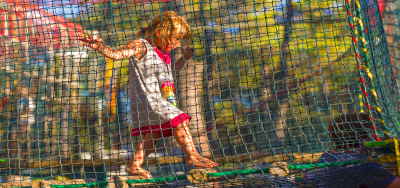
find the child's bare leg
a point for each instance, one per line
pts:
(185, 140)
(142, 150)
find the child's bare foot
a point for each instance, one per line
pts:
(139, 171)
(202, 162)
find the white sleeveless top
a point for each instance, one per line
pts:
(146, 76)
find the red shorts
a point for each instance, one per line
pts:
(165, 129)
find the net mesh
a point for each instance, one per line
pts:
(266, 81)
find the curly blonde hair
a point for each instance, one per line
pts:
(166, 26)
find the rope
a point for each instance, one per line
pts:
(91, 184)
(377, 144)
(228, 173)
(239, 172)
(360, 44)
(323, 165)
(158, 180)
(214, 174)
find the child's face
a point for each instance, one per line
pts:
(173, 43)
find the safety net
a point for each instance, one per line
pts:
(271, 86)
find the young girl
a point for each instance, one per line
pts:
(151, 89)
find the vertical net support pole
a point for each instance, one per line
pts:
(397, 152)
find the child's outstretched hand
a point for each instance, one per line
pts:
(91, 40)
(182, 55)
(187, 52)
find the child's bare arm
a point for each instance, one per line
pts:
(134, 48)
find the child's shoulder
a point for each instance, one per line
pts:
(138, 47)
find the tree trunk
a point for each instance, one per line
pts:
(283, 106)
(51, 76)
(190, 83)
(64, 100)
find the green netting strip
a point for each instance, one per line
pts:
(158, 180)
(322, 165)
(238, 172)
(212, 174)
(3, 160)
(217, 174)
(91, 184)
(377, 144)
